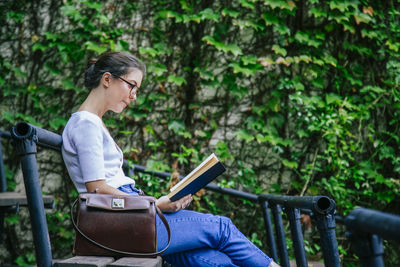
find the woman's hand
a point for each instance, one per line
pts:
(166, 205)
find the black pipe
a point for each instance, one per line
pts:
(326, 225)
(269, 233)
(280, 235)
(366, 228)
(5, 134)
(24, 139)
(368, 248)
(43, 137)
(317, 204)
(374, 222)
(3, 181)
(3, 188)
(297, 237)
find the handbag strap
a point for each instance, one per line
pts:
(125, 252)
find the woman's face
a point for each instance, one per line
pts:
(119, 93)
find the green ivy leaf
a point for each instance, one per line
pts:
(290, 164)
(246, 70)
(176, 126)
(279, 50)
(178, 80)
(333, 98)
(208, 13)
(95, 47)
(157, 69)
(281, 4)
(233, 48)
(247, 4)
(230, 13)
(244, 135)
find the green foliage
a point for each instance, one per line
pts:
(296, 97)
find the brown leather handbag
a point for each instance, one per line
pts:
(116, 225)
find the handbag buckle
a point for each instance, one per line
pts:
(118, 203)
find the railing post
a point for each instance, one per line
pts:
(280, 235)
(3, 184)
(326, 225)
(366, 228)
(3, 188)
(269, 233)
(24, 139)
(368, 248)
(297, 236)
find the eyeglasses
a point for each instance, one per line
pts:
(132, 86)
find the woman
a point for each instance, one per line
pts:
(94, 163)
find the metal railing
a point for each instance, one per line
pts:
(25, 137)
(366, 228)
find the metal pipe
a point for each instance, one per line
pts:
(3, 188)
(3, 181)
(366, 228)
(280, 235)
(24, 139)
(5, 134)
(368, 248)
(317, 204)
(43, 137)
(374, 222)
(297, 236)
(326, 225)
(269, 233)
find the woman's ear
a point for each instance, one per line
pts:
(106, 79)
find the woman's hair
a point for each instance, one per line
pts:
(116, 63)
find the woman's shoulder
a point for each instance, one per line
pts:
(83, 120)
(83, 116)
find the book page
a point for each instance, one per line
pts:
(211, 159)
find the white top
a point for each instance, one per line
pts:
(90, 153)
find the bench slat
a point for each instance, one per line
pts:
(94, 261)
(84, 261)
(137, 262)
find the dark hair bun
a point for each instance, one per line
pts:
(91, 62)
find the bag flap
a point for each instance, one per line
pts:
(117, 202)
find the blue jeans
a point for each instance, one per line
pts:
(199, 239)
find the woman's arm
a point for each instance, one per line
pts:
(101, 187)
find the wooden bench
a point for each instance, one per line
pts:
(81, 261)
(25, 138)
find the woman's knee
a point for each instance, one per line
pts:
(225, 220)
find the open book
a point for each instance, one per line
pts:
(207, 171)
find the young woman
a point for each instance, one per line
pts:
(94, 163)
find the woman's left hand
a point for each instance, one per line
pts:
(166, 205)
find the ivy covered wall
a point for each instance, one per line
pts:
(295, 97)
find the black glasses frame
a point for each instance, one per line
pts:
(132, 86)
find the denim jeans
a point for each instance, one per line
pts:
(199, 239)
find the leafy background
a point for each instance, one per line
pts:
(295, 97)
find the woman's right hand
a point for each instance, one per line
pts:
(166, 205)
